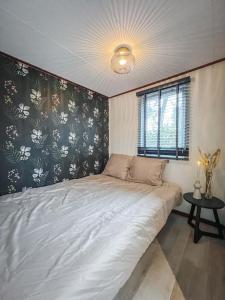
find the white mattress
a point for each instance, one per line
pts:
(79, 239)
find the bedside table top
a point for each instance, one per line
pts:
(214, 203)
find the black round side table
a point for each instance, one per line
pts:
(213, 204)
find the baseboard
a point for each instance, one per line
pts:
(203, 220)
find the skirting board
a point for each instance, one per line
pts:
(203, 220)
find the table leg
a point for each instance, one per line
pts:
(219, 226)
(191, 214)
(197, 233)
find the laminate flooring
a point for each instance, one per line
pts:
(174, 268)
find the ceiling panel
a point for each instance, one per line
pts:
(75, 39)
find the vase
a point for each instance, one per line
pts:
(208, 185)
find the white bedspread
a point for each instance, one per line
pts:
(79, 239)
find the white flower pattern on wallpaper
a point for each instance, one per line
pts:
(73, 169)
(85, 136)
(10, 87)
(71, 106)
(24, 152)
(52, 129)
(63, 118)
(36, 136)
(90, 122)
(96, 139)
(85, 108)
(90, 149)
(57, 169)
(96, 112)
(96, 165)
(64, 151)
(72, 138)
(11, 132)
(90, 95)
(23, 111)
(44, 115)
(22, 69)
(56, 135)
(11, 189)
(35, 97)
(13, 175)
(9, 92)
(85, 165)
(55, 179)
(63, 84)
(9, 145)
(8, 99)
(37, 175)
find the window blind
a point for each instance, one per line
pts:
(163, 129)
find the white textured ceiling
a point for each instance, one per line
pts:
(75, 39)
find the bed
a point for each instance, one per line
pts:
(79, 239)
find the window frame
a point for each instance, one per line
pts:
(160, 152)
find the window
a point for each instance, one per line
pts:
(164, 121)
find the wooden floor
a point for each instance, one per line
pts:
(174, 268)
(199, 268)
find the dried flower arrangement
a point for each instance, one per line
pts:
(209, 162)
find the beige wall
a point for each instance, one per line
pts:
(207, 129)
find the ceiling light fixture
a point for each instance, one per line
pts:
(123, 60)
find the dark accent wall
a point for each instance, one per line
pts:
(50, 129)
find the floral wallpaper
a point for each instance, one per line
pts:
(51, 129)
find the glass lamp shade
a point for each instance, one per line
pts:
(123, 60)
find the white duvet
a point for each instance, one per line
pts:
(80, 239)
